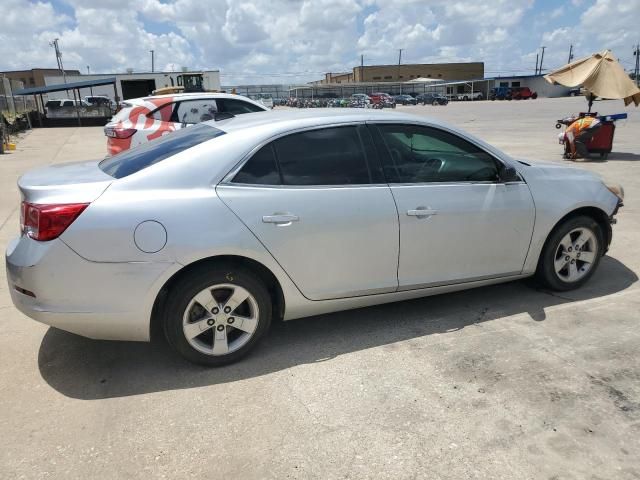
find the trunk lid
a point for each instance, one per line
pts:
(77, 182)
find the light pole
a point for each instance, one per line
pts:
(152, 63)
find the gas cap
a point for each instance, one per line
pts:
(150, 236)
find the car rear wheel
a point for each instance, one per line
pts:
(571, 255)
(216, 315)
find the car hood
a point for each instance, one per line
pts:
(553, 170)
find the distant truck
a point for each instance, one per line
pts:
(513, 93)
(523, 93)
(470, 96)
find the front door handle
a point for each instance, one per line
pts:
(280, 218)
(422, 212)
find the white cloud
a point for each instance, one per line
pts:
(283, 41)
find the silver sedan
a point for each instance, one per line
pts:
(212, 232)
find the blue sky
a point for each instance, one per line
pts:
(288, 41)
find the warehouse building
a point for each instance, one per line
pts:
(131, 85)
(408, 72)
(34, 77)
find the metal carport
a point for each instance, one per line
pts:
(61, 87)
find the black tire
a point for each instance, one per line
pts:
(546, 274)
(188, 287)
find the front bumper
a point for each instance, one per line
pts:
(108, 301)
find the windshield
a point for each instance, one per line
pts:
(137, 158)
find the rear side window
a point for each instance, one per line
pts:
(196, 111)
(164, 112)
(145, 155)
(261, 169)
(330, 156)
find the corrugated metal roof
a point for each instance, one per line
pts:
(65, 86)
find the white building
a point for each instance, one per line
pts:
(130, 85)
(536, 83)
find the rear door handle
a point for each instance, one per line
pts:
(280, 219)
(422, 212)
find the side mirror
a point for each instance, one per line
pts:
(509, 174)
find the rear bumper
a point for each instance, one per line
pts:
(108, 301)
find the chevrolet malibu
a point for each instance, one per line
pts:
(211, 232)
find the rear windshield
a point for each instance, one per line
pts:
(135, 159)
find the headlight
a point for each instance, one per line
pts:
(617, 190)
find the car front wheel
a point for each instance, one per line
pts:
(216, 315)
(571, 254)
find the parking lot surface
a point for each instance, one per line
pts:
(501, 382)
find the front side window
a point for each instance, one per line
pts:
(196, 111)
(237, 107)
(415, 154)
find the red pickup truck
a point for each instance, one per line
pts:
(523, 93)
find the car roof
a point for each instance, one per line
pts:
(290, 119)
(260, 126)
(193, 95)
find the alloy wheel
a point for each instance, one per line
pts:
(575, 254)
(220, 319)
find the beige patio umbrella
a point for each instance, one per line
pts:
(600, 74)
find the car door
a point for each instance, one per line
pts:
(458, 220)
(317, 201)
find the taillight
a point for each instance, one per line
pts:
(115, 132)
(46, 221)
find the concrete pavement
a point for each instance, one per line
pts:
(500, 382)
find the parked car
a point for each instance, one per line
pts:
(210, 233)
(144, 119)
(405, 100)
(500, 93)
(577, 91)
(523, 93)
(99, 100)
(470, 96)
(65, 102)
(432, 99)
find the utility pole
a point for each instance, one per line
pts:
(152, 62)
(399, 62)
(636, 53)
(570, 53)
(541, 59)
(54, 44)
(537, 58)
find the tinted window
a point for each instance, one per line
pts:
(196, 111)
(164, 112)
(261, 169)
(137, 158)
(237, 107)
(417, 154)
(67, 103)
(331, 156)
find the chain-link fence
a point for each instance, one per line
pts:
(14, 108)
